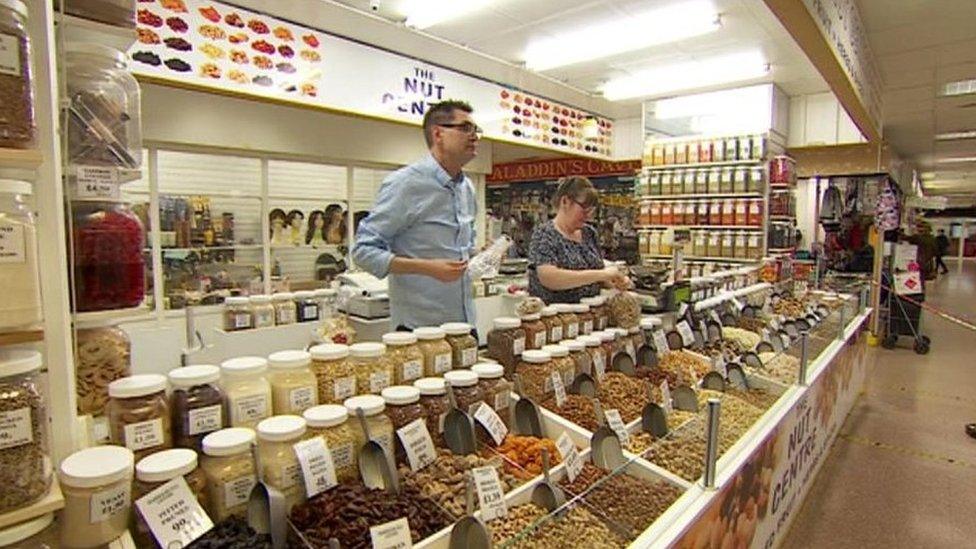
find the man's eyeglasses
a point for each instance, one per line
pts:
(588, 208)
(466, 127)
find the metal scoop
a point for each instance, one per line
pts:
(528, 420)
(683, 398)
(374, 466)
(583, 385)
(737, 377)
(546, 494)
(713, 381)
(646, 356)
(470, 532)
(653, 418)
(458, 428)
(607, 453)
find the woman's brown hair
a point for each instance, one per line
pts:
(578, 189)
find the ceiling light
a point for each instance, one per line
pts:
(651, 28)
(951, 136)
(427, 13)
(959, 87)
(687, 76)
(955, 160)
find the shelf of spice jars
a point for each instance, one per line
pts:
(703, 258)
(20, 159)
(648, 197)
(706, 227)
(21, 336)
(725, 163)
(53, 501)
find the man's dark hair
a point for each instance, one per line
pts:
(442, 113)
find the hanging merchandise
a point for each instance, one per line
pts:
(831, 208)
(888, 211)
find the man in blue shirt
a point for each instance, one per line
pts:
(421, 232)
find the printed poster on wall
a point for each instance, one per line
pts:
(222, 47)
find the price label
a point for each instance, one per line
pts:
(145, 434)
(666, 397)
(417, 443)
(97, 182)
(786, 341)
(318, 469)
(173, 514)
(391, 535)
(13, 244)
(491, 497)
(774, 324)
(108, 503)
(491, 422)
(660, 342)
(238, 491)
(540, 340)
(412, 369)
(570, 456)
(344, 387)
(302, 398)
(600, 366)
(616, 423)
(682, 310)
(588, 327)
(719, 366)
(469, 356)
(557, 334)
(205, 419)
(518, 346)
(704, 330)
(442, 363)
(558, 388)
(737, 304)
(765, 334)
(687, 337)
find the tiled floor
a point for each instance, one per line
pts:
(903, 472)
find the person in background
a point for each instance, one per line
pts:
(565, 261)
(941, 249)
(421, 231)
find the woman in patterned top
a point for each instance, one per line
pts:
(565, 261)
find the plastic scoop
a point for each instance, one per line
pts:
(470, 532)
(374, 467)
(458, 428)
(607, 453)
(528, 421)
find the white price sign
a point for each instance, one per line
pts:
(97, 182)
(786, 341)
(173, 514)
(737, 304)
(558, 388)
(660, 342)
(666, 397)
(616, 423)
(682, 309)
(600, 366)
(774, 324)
(417, 443)
(570, 456)
(704, 330)
(391, 535)
(719, 366)
(631, 351)
(686, 334)
(491, 422)
(765, 334)
(491, 497)
(318, 469)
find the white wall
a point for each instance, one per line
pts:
(819, 119)
(628, 138)
(806, 205)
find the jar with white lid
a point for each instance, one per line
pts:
(157, 469)
(494, 387)
(562, 363)
(608, 339)
(506, 342)
(636, 340)
(328, 301)
(228, 463)
(21, 304)
(306, 306)
(587, 316)
(438, 353)
(102, 355)
(467, 394)
(25, 474)
(567, 316)
(601, 312)
(598, 357)
(334, 372)
(139, 415)
(374, 370)
(285, 310)
(238, 314)
(332, 423)
(620, 342)
(17, 126)
(280, 468)
(406, 356)
(553, 324)
(294, 388)
(97, 487)
(534, 369)
(536, 331)
(196, 403)
(582, 362)
(380, 426)
(436, 405)
(108, 256)
(263, 311)
(464, 347)
(247, 390)
(402, 407)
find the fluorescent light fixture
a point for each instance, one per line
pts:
(651, 28)
(959, 87)
(687, 76)
(952, 136)
(955, 160)
(427, 13)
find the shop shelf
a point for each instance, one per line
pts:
(78, 29)
(781, 250)
(702, 195)
(782, 217)
(704, 258)
(210, 248)
(717, 227)
(53, 501)
(750, 162)
(18, 337)
(22, 159)
(141, 312)
(126, 175)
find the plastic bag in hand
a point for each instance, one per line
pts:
(486, 263)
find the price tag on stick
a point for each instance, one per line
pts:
(417, 444)
(570, 456)
(491, 497)
(558, 388)
(391, 535)
(687, 337)
(491, 422)
(660, 343)
(666, 397)
(318, 469)
(616, 423)
(173, 514)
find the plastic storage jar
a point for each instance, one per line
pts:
(402, 407)
(569, 319)
(608, 340)
(467, 394)
(327, 299)
(534, 369)
(246, 389)
(436, 405)
(25, 467)
(238, 314)
(280, 468)
(438, 354)
(619, 347)
(294, 388)
(306, 306)
(285, 310)
(554, 326)
(464, 347)
(102, 355)
(406, 356)
(562, 363)
(263, 311)
(635, 340)
(109, 267)
(97, 487)
(334, 372)
(21, 304)
(495, 388)
(139, 415)
(587, 313)
(379, 424)
(196, 404)
(374, 370)
(228, 464)
(598, 357)
(331, 422)
(17, 125)
(536, 331)
(104, 128)
(506, 342)
(157, 469)
(581, 359)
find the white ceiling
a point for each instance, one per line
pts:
(918, 47)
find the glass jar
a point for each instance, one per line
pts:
(109, 267)
(102, 355)
(306, 306)
(728, 244)
(601, 311)
(667, 213)
(334, 372)
(374, 370)
(438, 354)
(246, 389)
(582, 362)
(654, 213)
(238, 314)
(534, 369)
(279, 464)
(506, 342)
(586, 318)
(467, 394)
(741, 245)
(379, 424)
(495, 388)
(21, 304)
(571, 322)
(562, 363)
(228, 464)
(96, 483)
(535, 331)
(464, 347)
(285, 310)
(402, 407)
(406, 356)
(139, 415)
(294, 388)
(741, 212)
(715, 212)
(328, 301)
(755, 215)
(263, 311)
(728, 178)
(105, 126)
(715, 244)
(26, 466)
(691, 212)
(196, 404)
(699, 243)
(554, 326)
(157, 469)
(754, 242)
(17, 126)
(436, 405)
(331, 422)
(741, 180)
(598, 358)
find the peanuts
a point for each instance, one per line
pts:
(577, 409)
(575, 528)
(625, 394)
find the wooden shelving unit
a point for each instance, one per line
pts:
(20, 159)
(19, 337)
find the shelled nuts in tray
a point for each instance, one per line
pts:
(640, 442)
(682, 451)
(683, 363)
(626, 394)
(529, 527)
(576, 409)
(744, 338)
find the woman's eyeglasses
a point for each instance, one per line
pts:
(465, 127)
(588, 208)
